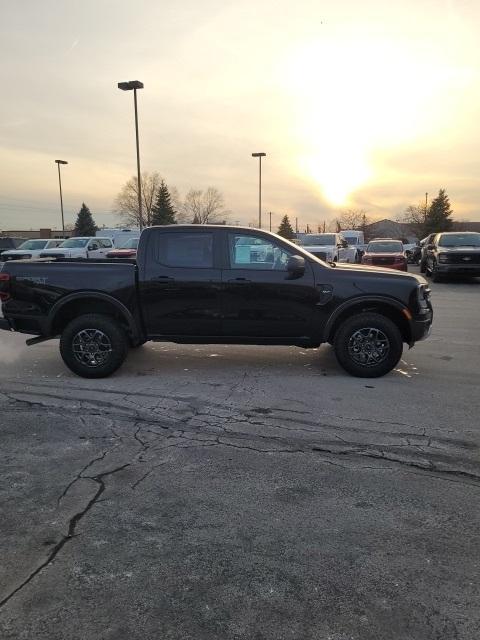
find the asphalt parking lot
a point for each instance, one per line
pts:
(218, 492)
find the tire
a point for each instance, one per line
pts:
(357, 345)
(93, 346)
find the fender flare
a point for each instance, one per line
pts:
(353, 302)
(104, 297)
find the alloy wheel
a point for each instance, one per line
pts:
(368, 346)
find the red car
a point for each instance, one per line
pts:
(129, 250)
(385, 253)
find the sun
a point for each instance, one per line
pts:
(350, 97)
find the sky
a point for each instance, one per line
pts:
(365, 105)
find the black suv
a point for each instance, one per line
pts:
(453, 253)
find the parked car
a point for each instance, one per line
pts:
(385, 253)
(9, 242)
(211, 284)
(453, 253)
(30, 249)
(331, 247)
(95, 248)
(423, 251)
(128, 250)
(409, 249)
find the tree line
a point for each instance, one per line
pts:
(161, 205)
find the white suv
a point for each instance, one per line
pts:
(30, 249)
(95, 248)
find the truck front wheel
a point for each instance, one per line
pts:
(93, 345)
(368, 345)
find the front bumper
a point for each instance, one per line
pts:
(420, 326)
(458, 269)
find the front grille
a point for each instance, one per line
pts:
(18, 256)
(383, 261)
(52, 255)
(463, 258)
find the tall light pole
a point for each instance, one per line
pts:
(129, 86)
(259, 155)
(59, 162)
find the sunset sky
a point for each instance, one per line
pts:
(357, 104)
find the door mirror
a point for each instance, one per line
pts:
(295, 267)
(93, 246)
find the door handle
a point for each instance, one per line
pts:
(162, 279)
(239, 280)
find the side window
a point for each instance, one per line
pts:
(93, 245)
(183, 249)
(256, 252)
(105, 243)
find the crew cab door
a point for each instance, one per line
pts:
(180, 288)
(259, 298)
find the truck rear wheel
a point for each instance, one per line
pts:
(368, 345)
(93, 345)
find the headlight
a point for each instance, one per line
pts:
(443, 257)
(423, 294)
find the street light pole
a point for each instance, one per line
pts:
(270, 214)
(129, 86)
(259, 155)
(59, 162)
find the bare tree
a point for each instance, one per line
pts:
(126, 203)
(416, 216)
(353, 219)
(203, 207)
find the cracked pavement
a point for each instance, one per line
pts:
(244, 492)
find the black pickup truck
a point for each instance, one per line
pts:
(215, 284)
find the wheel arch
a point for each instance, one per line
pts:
(71, 306)
(387, 307)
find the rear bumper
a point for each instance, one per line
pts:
(5, 325)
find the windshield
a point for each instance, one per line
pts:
(33, 244)
(323, 239)
(132, 243)
(460, 240)
(385, 247)
(74, 243)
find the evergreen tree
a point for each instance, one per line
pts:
(163, 211)
(85, 224)
(439, 216)
(285, 229)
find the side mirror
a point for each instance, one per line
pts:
(295, 267)
(93, 246)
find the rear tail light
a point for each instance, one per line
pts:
(4, 280)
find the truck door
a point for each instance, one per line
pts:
(180, 288)
(259, 299)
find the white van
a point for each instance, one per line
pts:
(119, 237)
